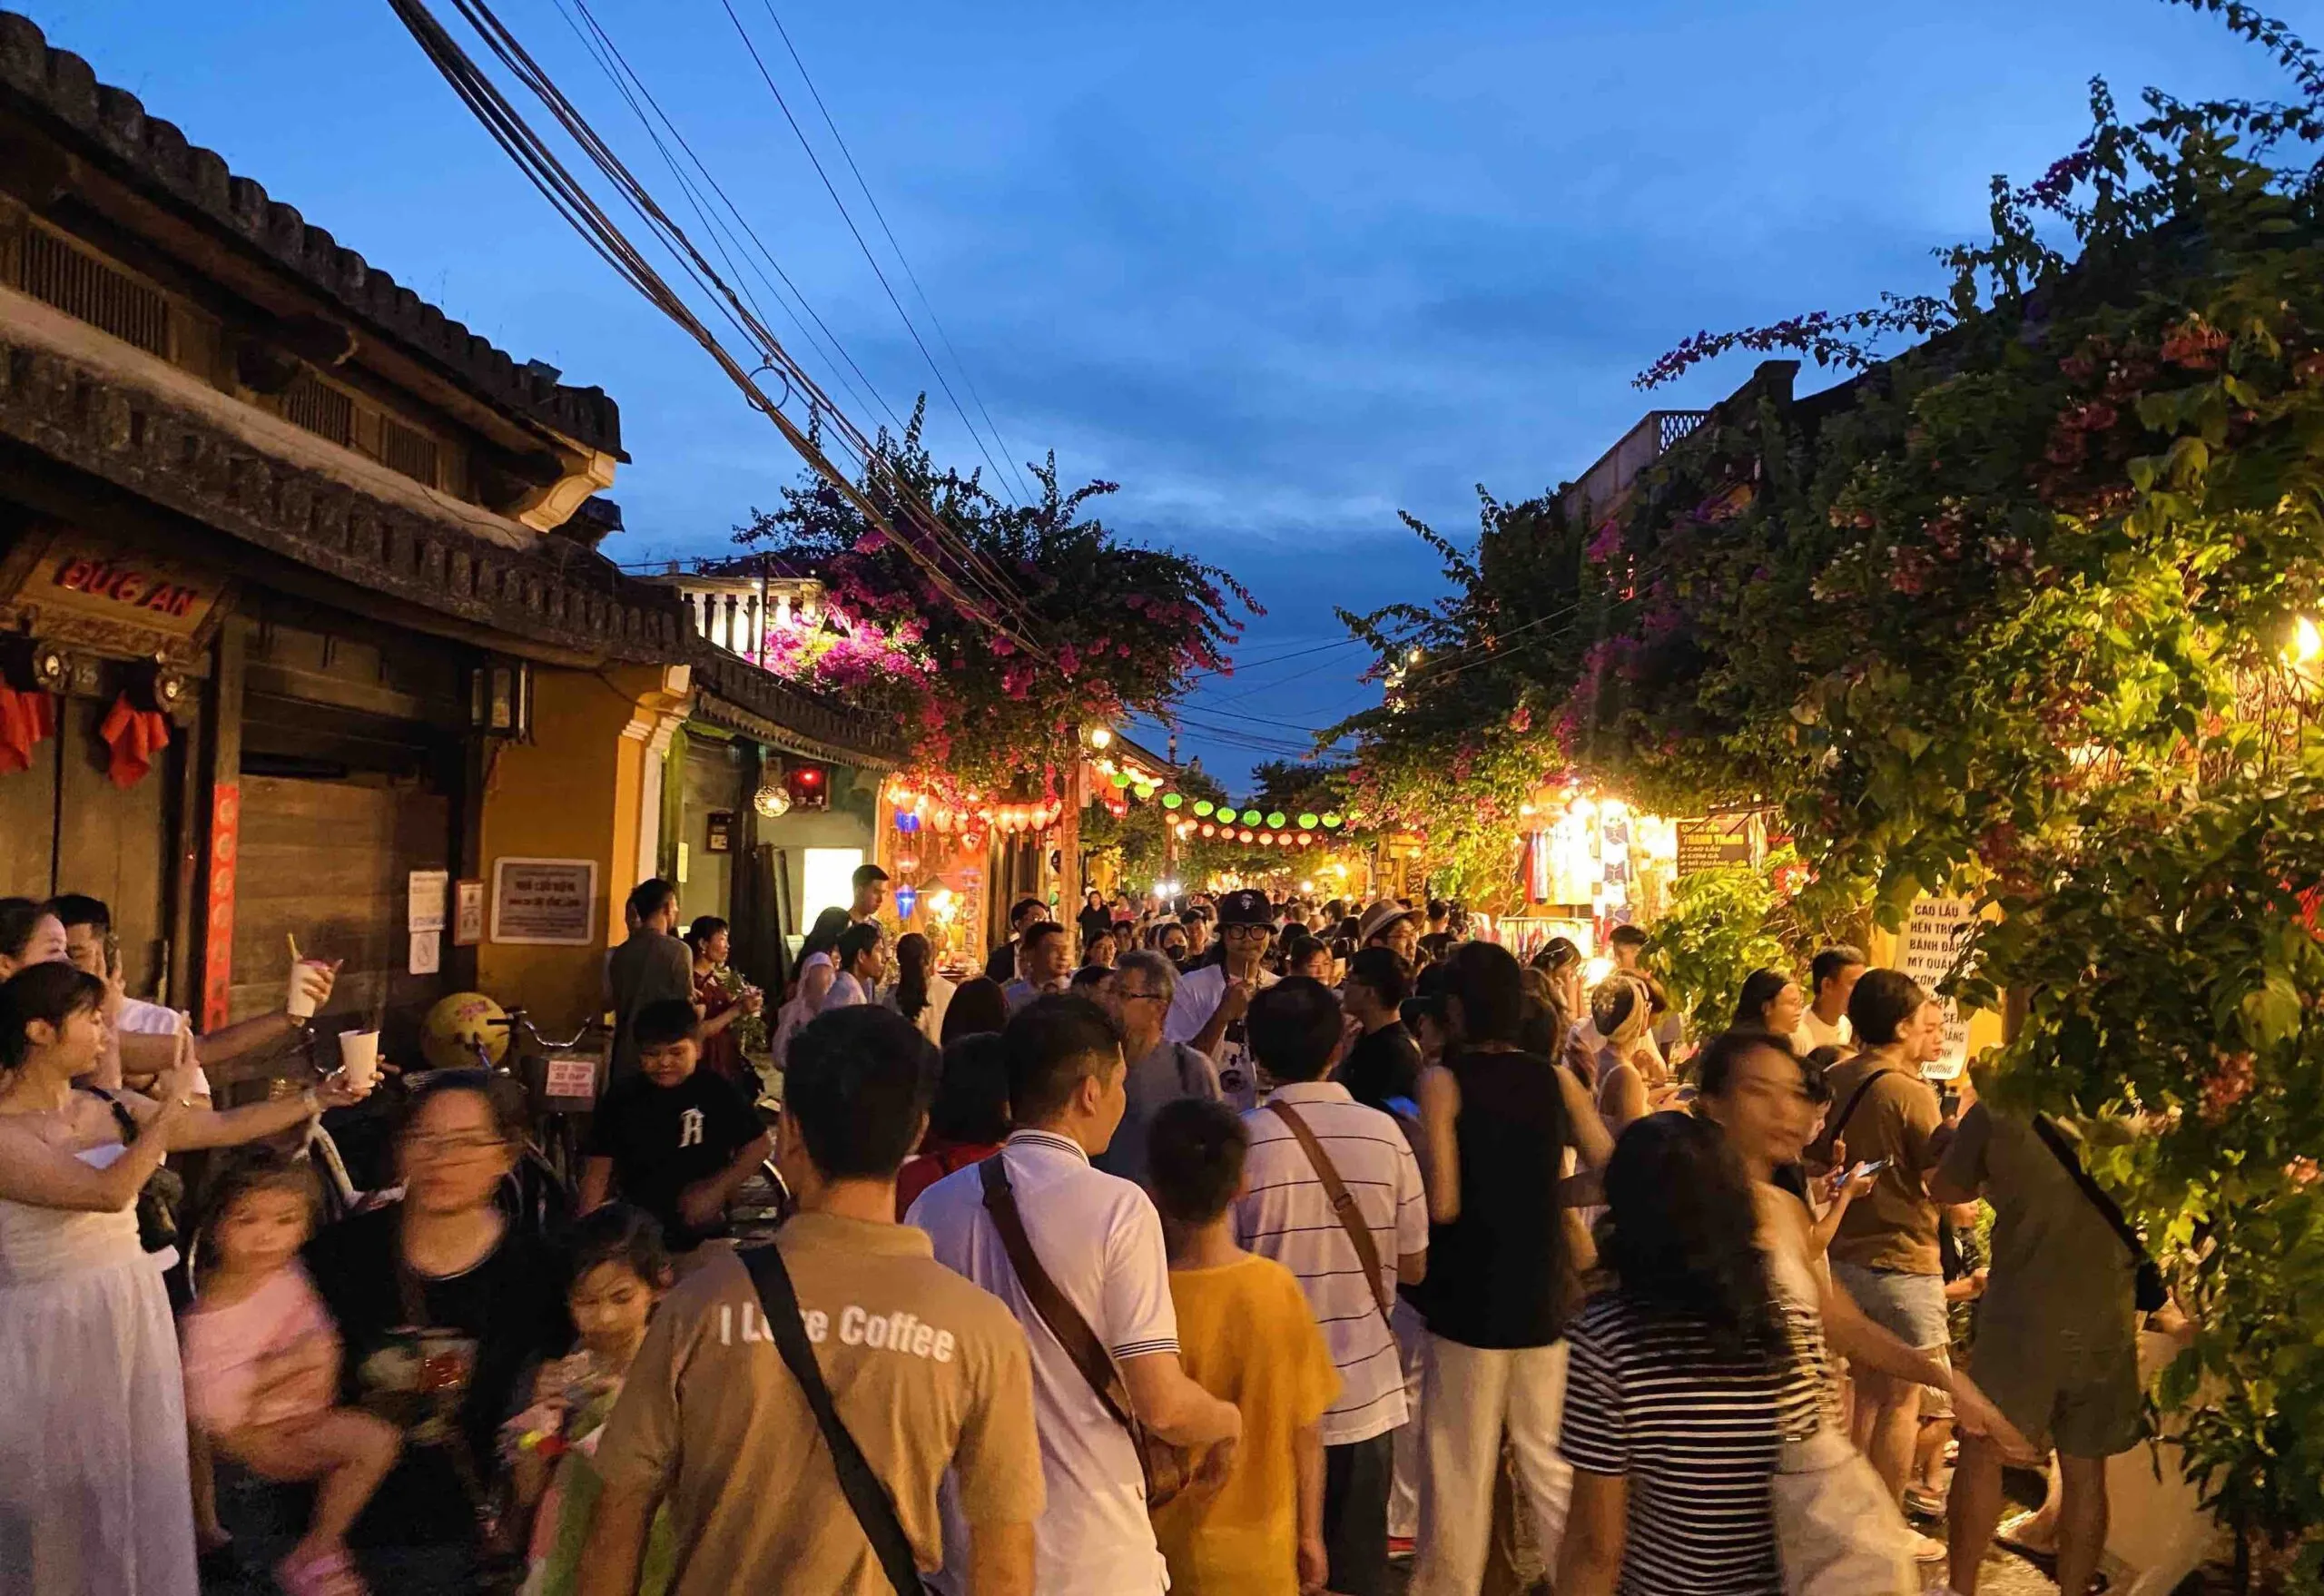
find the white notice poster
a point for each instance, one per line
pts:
(1931, 944)
(544, 902)
(424, 899)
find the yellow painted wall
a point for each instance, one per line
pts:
(576, 791)
(1984, 1024)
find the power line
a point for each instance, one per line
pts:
(1253, 692)
(616, 67)
(1262, 720)
(1008, 455)
(543, 169)
(998, 588)
(874, 260)
(1237, 667)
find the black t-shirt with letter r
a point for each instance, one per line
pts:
(663, 1138)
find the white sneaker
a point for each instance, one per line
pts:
(1926, 1549)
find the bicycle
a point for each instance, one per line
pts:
(546, 1179)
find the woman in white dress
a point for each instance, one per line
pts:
(93, 1494)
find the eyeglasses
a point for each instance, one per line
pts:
(1246, 932)
(452, 1146)
(1130, 996)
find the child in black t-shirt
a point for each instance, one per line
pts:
(676, 1141)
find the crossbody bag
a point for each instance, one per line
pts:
(1163, 1464)
(1343, 1205)
(874, 1509)
(1837, 1528)
(2151, 1293)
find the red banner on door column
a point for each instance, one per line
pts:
(218, 926)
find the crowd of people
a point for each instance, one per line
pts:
(1258, 1248)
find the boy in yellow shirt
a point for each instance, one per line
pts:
(1248, 1337)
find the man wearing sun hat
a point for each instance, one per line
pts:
(1208, 1012)
(1392, 925)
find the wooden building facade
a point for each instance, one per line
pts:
(289, 565)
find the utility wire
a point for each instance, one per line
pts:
(874, 260)
(632, 90)
(1237, 667)
(1001, 608)
(967, 379)
(996, 585)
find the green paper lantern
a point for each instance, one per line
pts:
(1331, 823)
(1276, 818)
(1172, 800)
(1203, 806)
(1121, 778)
(1307, 821)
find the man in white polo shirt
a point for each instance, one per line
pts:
(1286, 1213)
(1098, 1239)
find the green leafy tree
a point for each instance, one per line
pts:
(1122, 629)
(2008, 613)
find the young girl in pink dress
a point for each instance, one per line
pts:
(261, 1367)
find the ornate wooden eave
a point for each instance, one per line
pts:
(59, 92)
(499, 586)
(732, 693)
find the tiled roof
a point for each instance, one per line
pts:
(60, 87)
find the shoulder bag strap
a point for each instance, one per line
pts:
(1343, 1201)
(2108, 1209)
(874, 1509)
(1064, 1320)
(1855, 1097)
(123, 1120)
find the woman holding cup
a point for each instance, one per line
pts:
(93, 1459)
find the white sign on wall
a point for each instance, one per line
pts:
(1931, 946)
(548, 902)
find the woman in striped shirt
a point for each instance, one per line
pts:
(1686, 1376)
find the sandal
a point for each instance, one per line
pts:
(1923, 1502)
(328, 1573)
(2012, 1535)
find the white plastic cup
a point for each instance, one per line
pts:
(359, 1058)
(301, 1003)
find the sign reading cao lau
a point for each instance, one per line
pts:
(1933, 937)
(547, 902)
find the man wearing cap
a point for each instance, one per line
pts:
(871, 884)
(1208, 1010)
(1392, 925)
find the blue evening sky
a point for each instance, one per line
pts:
(1279, 270)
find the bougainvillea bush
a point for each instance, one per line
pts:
(1102, 628)
(2015, 611)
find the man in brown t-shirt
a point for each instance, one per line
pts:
(928, 1372)
(1885, 1255)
